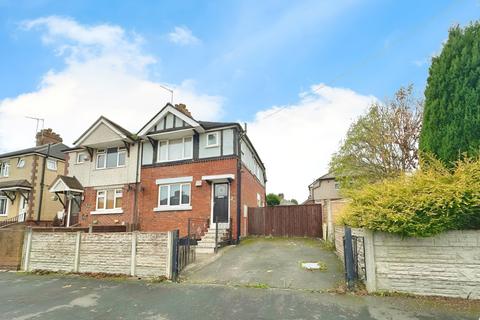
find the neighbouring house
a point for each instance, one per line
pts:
(285, 202)
(104, 174)
(25, 178)
(174, 169)
(326, 191)
(195, 169)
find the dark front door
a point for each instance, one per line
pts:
(220, 203)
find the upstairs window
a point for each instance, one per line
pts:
(51, 164)
(175, 149)
(4, 169)
(21, 163)
(337, 186)
(82, 157)
(212, 139)
(111, 158)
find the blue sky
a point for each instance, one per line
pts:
(254, 53)
(244, 57)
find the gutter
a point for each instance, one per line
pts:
(42, 182)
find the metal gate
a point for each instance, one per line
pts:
(354, 257)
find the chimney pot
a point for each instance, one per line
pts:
(183, 109)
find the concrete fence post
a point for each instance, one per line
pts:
(76, 260)
(28, 249)
(168, 272)
(133, 261)
(370, 267)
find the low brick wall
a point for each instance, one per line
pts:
(11, 242)
(133, 253)
(445, 265)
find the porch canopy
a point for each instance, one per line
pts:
(10, 189)
(66, 185)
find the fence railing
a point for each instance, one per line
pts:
(16, 219)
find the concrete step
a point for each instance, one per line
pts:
(204, 250)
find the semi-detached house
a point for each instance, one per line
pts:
(175, 168)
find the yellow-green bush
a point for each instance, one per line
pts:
(430, 201)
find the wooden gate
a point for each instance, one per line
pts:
(286, 221)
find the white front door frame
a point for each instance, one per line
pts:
(22, 208)
(212, 198)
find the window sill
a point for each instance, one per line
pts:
(212, 146)
(108, 211)
(173, 208)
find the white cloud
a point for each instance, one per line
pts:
(105, 73)
(183, 36)
(297, 142)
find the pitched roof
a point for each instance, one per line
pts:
(56, 151)
(327, 176)
(213, 125)
(71, 183)
(115, 126)
(15, 184)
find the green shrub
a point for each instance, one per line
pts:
(430, 201)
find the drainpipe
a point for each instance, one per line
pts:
(42, 182)
(135, 200)
(239, 187)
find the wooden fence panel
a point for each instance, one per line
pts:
(286, 221)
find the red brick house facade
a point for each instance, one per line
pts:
(173, 169)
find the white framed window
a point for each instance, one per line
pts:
(109, 201)
(212, 139)
(52, 164)
(82, 157)
(337, 186)
(174, 197)
(175, 149)
(111, 158)
(4, 169)
(3, 206)
(21, 163)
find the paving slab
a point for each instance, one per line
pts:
(272, 262)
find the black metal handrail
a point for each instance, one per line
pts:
(12, 220)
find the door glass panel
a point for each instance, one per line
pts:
(221, 190)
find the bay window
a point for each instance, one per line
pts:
(174, 197)
(111, 158)
(175, 149)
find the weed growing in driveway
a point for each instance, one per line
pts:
(256, 285)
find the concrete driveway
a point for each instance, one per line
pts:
(271, 262)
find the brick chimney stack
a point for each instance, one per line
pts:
(183, 109)
(47, 136)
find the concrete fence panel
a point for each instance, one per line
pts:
(445, 265)
(132, 253)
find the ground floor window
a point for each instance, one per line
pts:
(109, 200)
(3, 206)
(174, 196)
